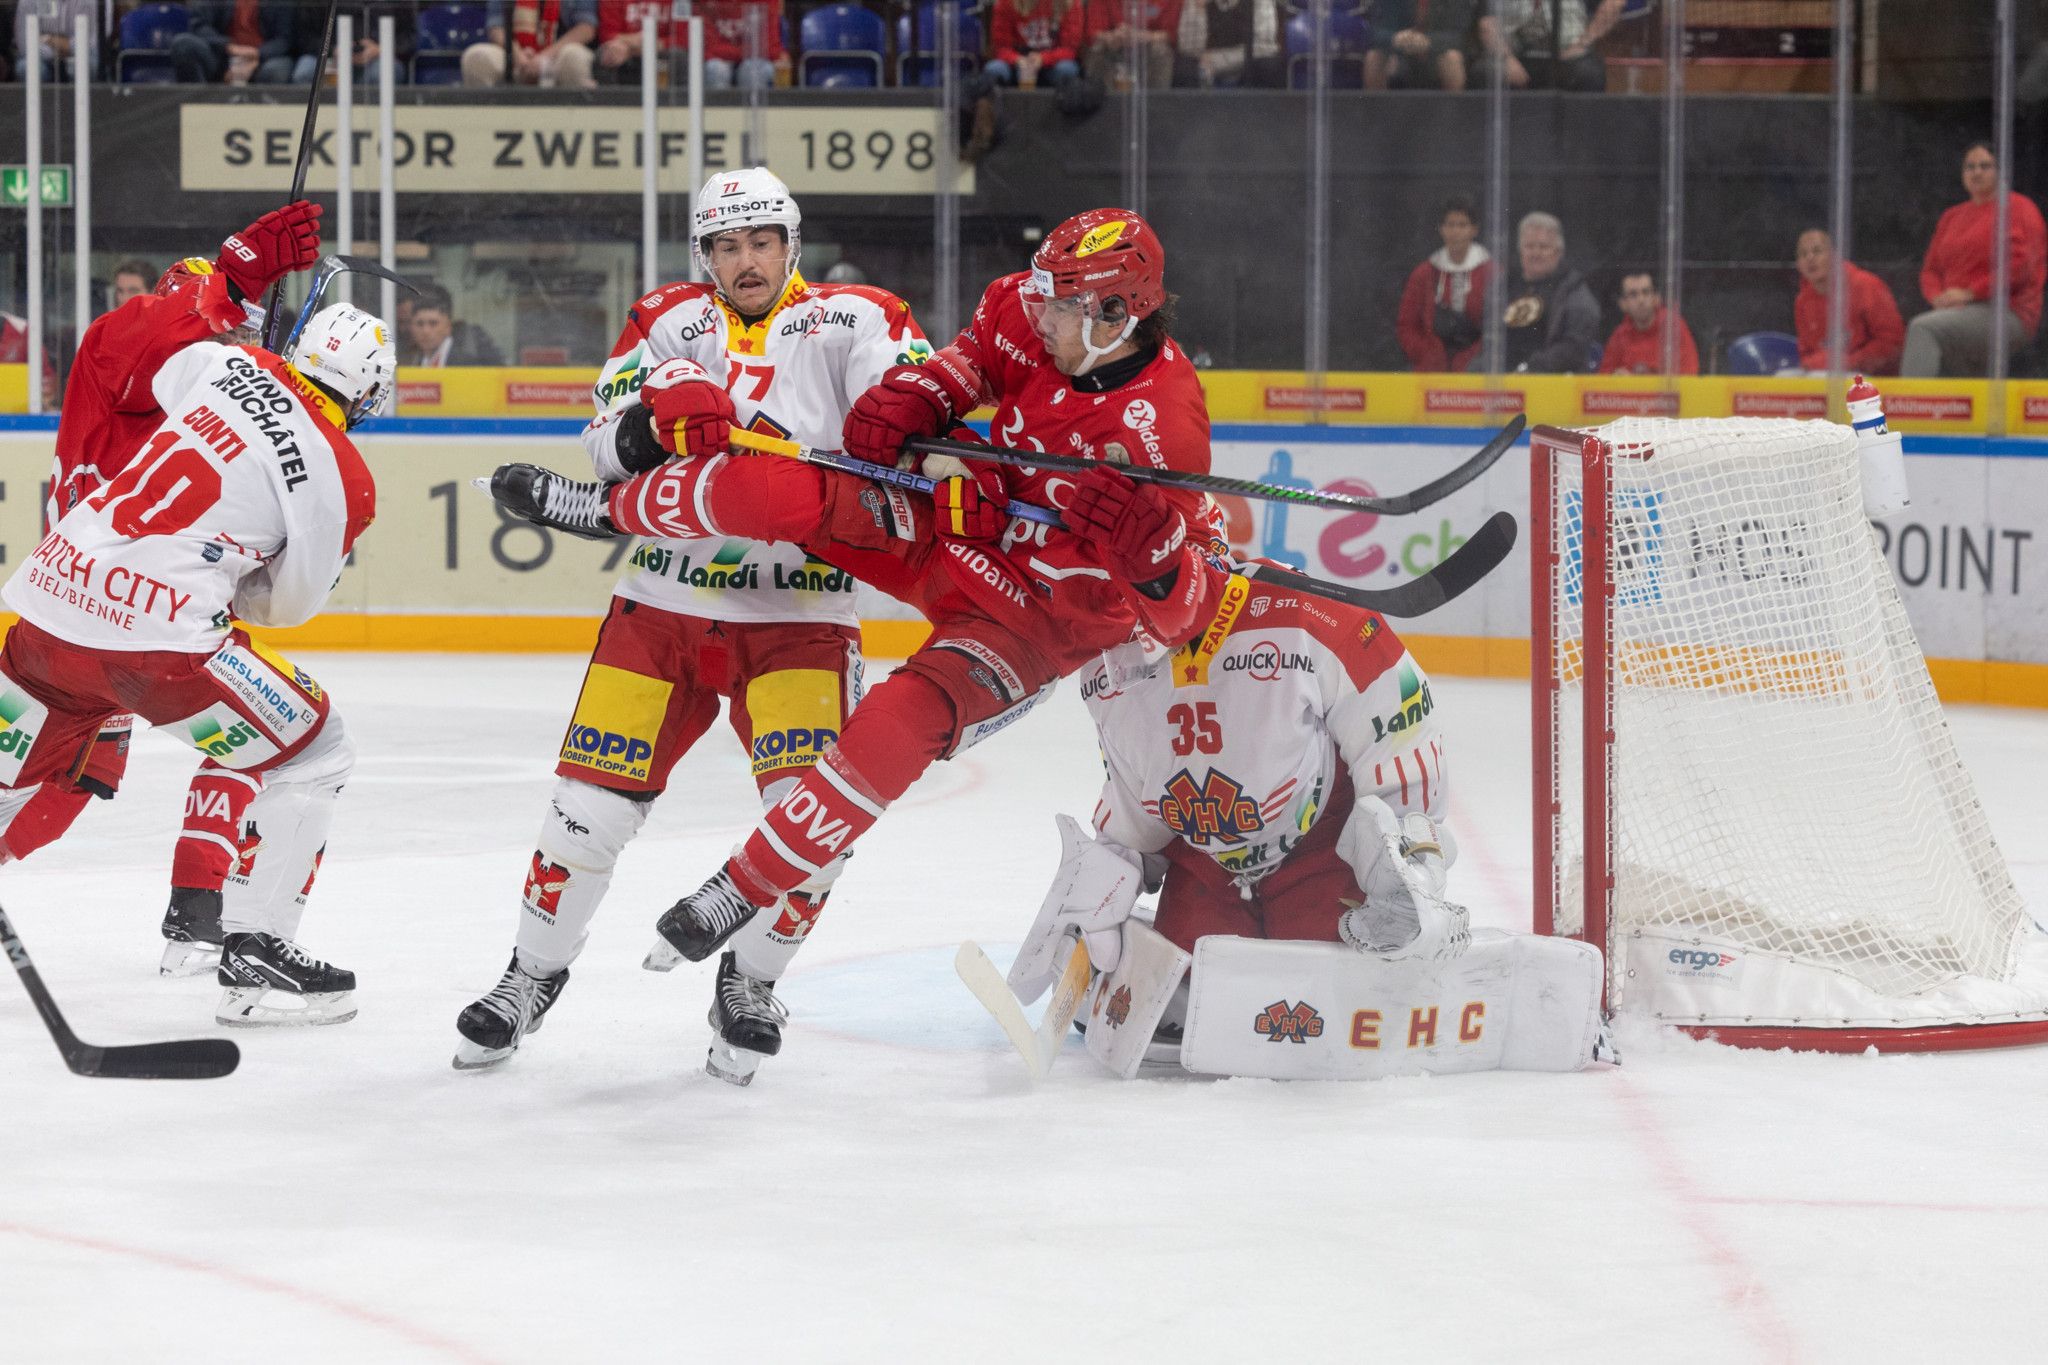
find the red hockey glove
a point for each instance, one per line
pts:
(693, 414)
(281, 241)
(1133, 527)
(970, 505)
(907, 405)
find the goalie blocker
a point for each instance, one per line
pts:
(1284, 1010)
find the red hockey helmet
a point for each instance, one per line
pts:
(1110, 254)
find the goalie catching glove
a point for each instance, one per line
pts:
(1404, 914)
(1091, 895)
(693, 414)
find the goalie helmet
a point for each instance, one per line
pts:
(750, 197)
(1107, 266)
(348, 353)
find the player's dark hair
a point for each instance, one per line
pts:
(1153, 328)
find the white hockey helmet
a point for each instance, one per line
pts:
(348, 352)
(752, 196)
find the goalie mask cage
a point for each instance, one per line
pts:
(1746, 794)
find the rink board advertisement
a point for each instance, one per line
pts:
(442, 568)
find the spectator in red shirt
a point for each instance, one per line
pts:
(742, 41)
(1443, 307)
(1873, 334)
(550, 44)
(1025, 47)
(1955, 338)
(1637, 346)
(1116, 54)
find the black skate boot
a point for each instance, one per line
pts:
(261, 972)
(492, 1027)
(698, 925)
(191, 932)
(548, 499)
(746, 1024)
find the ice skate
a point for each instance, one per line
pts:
(746, 1024)
(191, 932)
(262, 973)
(698, 925)
(492, 1027)
(548, 499)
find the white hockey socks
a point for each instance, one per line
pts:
(585, 830)
(283, 834)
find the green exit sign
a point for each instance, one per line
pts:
(56, 186)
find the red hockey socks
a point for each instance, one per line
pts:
(209, 843)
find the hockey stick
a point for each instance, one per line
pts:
(1399, 504)
(271, 315)
(1037, 1046)
(191, 1059)
(324, 275)
(1469, 563)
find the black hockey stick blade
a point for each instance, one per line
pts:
(1400, 504)
(1469, 563)
(188, 1059)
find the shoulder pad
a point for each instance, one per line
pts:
(648, 307)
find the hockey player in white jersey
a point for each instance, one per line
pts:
(1284, 775)
(762, 626)
(243, 504)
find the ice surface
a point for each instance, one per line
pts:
(891, 1188)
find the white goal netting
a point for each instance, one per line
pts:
(1782, 776)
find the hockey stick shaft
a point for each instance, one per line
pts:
(272, 318)
(1399, 504)
(1469, 563)
(193, 1059)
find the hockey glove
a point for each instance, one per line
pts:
(281, 241)
(910, 403)
(969, 499)
(1092, 893)
(1133, 527)
(693, 415)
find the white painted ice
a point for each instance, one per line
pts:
(890, 1188)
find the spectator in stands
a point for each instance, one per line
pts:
(1419, 44)
(742, 43)
(1517, 34)
(131, 279)
(1117, 54)
(1552, 321)
(1955, 338)
(55, 20)
(14, 351)
(1024, 47)
(1443, 308)
(200, 54)
(550, 44)
(1874, 334)
(1229, 43)
(1637, 346)
(438, 339)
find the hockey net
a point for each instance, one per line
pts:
(1746, 792)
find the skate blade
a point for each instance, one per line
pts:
(662, 957)
(474, 1057)
(733, 1065)
(183, 958)
(261, 1007)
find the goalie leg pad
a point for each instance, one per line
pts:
(581, 837)
(1320, 1011)
(1126, 1005)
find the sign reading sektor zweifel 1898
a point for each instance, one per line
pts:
(553, 149)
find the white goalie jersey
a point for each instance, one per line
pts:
(242, 504)
(792, 374)
(1236, 743)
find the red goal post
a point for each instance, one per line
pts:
(1744, 790)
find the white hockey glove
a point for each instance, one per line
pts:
(1092, 895)
(1400, 864)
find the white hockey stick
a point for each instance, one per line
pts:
(1037, 1046)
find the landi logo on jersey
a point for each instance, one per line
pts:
(1281, 1022)
(1216, 810)
(1415, 704)
(1101, 238)
(621, 378)
(545, 882)
(15, 741)
(210, 739)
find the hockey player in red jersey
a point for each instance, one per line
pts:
(706, 616)
(242, 503)
(1075, 357)
(110, 409)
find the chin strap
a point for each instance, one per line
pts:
(1096, 353)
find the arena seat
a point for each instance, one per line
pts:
(842, 46)
(1762, 353)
